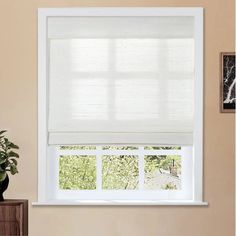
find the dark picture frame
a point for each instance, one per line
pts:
(227, 82)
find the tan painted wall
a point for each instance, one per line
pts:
(18, 114)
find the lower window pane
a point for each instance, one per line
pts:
(77, 147)
(77, 172)
(119, 148)
(162, 148)
(162, 172)
(119, 172)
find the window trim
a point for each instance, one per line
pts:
(196, 12)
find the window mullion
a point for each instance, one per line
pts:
(99, 168)
(141, 168)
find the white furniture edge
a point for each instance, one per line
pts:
(43, 13)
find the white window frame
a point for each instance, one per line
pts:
(43, 169)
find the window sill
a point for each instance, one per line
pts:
(119, 202)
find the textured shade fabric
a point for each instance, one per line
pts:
(121, 80)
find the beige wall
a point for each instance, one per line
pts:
(18, 104)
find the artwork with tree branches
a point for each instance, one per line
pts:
(228, 82)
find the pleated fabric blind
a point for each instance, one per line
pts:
(122, 80)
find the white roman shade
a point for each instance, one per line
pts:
(122, 80)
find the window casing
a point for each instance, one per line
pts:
(49, 151)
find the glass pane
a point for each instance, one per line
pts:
(119, 172)
(162, 148)
(119, 148)
(77, 172)
(77, 147)
(137, 54)
(145, 106)
(180, 54)
(89, 55)
(87, 98)
(162, 172)
(180, 100)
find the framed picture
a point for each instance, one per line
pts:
(227, 82)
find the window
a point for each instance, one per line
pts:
(122, 172)
(120, 105)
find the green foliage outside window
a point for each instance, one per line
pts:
(78, 147)
(162, 172)
(120, 172)
(77, 172)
